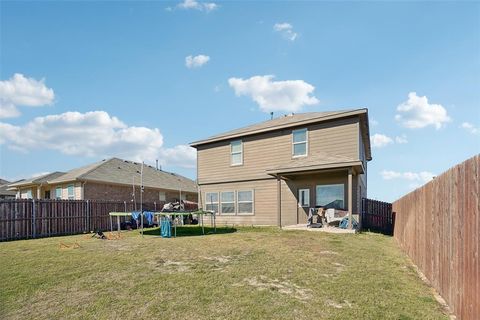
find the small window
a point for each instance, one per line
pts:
(304, 197)
(58, 193)
(228, 202)
(71, 192)
(162, 196)
(299, 142)
(236, 153)
(245, 202)
(29, 194)
(331, 196)
(211, 201)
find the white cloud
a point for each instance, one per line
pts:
(470, 128)
(416, 112)
(22, 91)
(289, 95)
(286, 30)
(196, 61)
(196, 5)
(94, 134)
(401, 139)
(422, 177)
(380, 140)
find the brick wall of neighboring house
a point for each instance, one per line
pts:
(97, 191)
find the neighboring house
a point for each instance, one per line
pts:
(35, 187)
(4, 192)
(271, 173)
(112, 179)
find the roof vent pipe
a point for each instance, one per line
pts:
(156, 164)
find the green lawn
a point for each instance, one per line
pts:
(248, 273)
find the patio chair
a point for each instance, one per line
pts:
(332, 216)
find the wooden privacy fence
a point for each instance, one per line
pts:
(438, 226)
(26, 218)
(377, 216)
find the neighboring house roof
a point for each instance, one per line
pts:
(316, 162)
(118, 171)
(37, 180)
(292, 121)
(4, 189)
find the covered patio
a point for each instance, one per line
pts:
(319, 181)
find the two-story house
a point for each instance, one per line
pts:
(272, 172)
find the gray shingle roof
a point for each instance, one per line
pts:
(120, 171)
(36, 180)
(277, 123)
(318, 161)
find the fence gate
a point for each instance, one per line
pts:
(377, 216)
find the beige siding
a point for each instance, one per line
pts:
(267, 150)
(265, 200)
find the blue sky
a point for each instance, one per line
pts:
(416, 66)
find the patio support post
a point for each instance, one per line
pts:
(350, 202)
(279, 201)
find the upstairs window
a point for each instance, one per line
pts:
(236, 153)
(299, 143)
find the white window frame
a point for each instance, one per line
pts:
(61, 193)
(237, 152)
(221, 202)
(301, 142)
(300, 204)
(71, 196)
(207, 201)
(253, 203)
(162, 196)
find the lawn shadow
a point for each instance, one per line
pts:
(191, 231)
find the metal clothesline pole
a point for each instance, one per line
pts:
(141, 197)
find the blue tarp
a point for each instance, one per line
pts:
(344, 223)
(165, 228)
(149, 216)
(135, 215)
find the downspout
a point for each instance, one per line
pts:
(279, 201)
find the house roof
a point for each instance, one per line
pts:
(37, 180)
(2, 182)
(318, 161)
(119, 171)
(292, 121)
(4, 190)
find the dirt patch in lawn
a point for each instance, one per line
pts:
(282, 286)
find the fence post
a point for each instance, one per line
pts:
(34, 222)
(125, 206)
(155, 205)
(88, 217)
